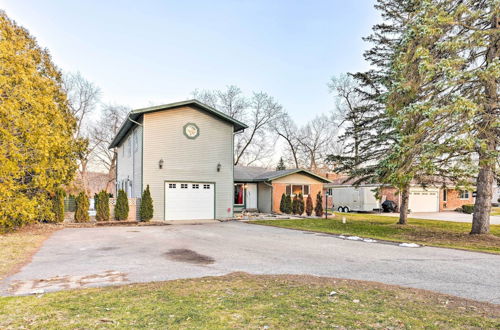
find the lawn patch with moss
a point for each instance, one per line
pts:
(427, 232)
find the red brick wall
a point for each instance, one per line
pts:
(280, 188)
(391, 194)
(453, 200)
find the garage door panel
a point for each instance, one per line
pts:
(189, 200)
(424, 201)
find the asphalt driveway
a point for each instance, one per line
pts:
(84, 257)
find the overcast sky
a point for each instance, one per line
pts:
(142, 53)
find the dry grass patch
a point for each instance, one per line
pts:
(17, 248)
(248, 301)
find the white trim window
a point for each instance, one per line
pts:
(296, 189)
(464, 194)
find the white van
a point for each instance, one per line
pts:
(349, 198)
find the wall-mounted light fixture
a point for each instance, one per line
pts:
(160, 163)
(219, 166)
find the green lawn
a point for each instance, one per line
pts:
(427, 232)
(247, 301)
(495, 211)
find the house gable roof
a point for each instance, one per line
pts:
(134, 115)
(259, 174)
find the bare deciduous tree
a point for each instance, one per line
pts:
(316, 138)
(83, 97)
(102, 134)
(286, 128)
(259, 112)
(348, 112)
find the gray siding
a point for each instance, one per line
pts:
(129, 170)
(188, 159)
(264, 198)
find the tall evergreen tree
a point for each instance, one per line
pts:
(281, 165)
(37, 149)
(375, 136)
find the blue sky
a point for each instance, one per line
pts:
(142, 53)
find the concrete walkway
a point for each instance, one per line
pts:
(85, 257)
(445, 216)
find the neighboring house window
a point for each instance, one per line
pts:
(464, 194)
(445, 195)
(296, 189)
(239, 193)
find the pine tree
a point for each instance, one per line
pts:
(37, 149)
(309, 205)
(288, 204)
(82, 208)
(102, 208)
(58, 205)
(281, 165)
(318, 210)
(385, 146)
(146, 209)
(121, 206)
(283, 203)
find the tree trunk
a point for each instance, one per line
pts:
(488, 135)
(403, 208)
(482, 207)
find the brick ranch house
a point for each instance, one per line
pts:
(259, 189)
(432, 198)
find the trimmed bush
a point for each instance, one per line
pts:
(82, 208)
(283, 203)
(102, 206)
(318, 210)
(309, 205)
(58, 205)
(146, 209)
(301, 205)
(121, 207)
(288, 204)
(295, 205)
(468, 208)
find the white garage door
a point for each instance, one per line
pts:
(189, 200)
(424, 200)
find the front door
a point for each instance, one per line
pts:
(251, 194)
